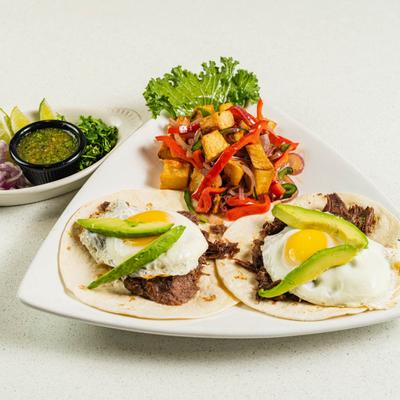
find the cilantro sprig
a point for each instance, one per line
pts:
(100, 139)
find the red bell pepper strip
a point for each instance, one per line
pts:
(226, 155)
(182, 129)
(277, 189)
(260, 116)
(205, 201)
(235, 201)
(197, 156)
(240, 114)
(277, 140)
(177, 151)
(282, 160)
(234, 213)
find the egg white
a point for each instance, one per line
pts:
(369, 279)
(180, 259)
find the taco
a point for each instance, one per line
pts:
(352, 257)
(133, 253)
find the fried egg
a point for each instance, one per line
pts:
(180, 259)
(369, 279)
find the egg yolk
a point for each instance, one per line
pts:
(303, 244)
(146, 216)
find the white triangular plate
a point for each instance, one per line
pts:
(135, 165)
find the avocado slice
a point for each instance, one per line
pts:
(142, 257)
(123, 228)
(310, 269)
(303, 218)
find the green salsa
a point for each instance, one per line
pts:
(47, 146)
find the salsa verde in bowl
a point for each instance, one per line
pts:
(48, 150)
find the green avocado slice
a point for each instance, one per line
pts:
(142, 257)
(122, 228)
(310, 269)
(303, 218)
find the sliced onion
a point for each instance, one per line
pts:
(276, 153)
(266, 144)
(250, 174)
(229, 131)
(181, 142)
(11, 177)
(241, 193)
(197, 135)
(296, 162)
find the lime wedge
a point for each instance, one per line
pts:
(45, 112)
(7, 121)
(18, 119)
(4, 133)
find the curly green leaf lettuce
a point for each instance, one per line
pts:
(180, 91)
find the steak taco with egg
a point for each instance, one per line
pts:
(322, 256)
(134, 253)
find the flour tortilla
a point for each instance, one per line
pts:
(77, 268)
(243, 285)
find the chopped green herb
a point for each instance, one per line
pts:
(100, 137)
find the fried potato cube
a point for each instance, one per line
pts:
(213, 144)
(243, 125)
(220, 120)
(195, 180)
(225, 120)
(238, 135)
(258, 157)
(209, 123)
(225, 106)
(263, 180)
(217, 182)
(196, 177)
(234, 172)
(164, 153)
(201, 111)
(182, 120)
(175, 175)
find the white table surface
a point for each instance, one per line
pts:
(334, 66)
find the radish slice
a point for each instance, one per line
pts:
(296, 162)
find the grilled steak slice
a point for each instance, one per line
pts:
(362, 218)
(170, 290)
(218, 230)
(221, 249)
(193, 217)
(336, 206)
(272, 228)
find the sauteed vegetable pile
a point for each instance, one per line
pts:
(229, 161)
